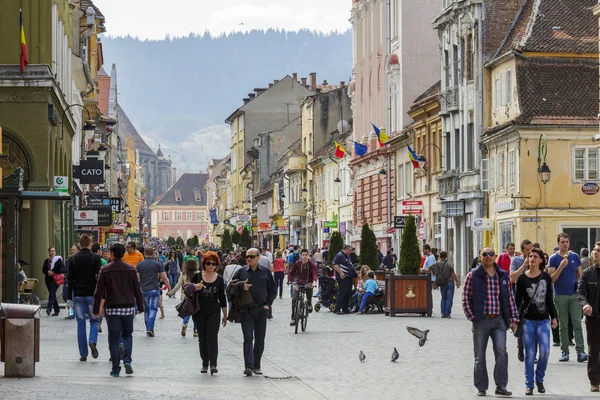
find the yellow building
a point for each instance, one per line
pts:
(91, 24)
(541, 98)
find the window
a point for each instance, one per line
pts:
(178, 195)
(492, 174)
(511, 167)
(508, 86)
(500, 181)
(437, 230)
(498, 82)
(585, 163)
(198, 215)
(448, 151)
(505, 235)
(457, 163)
(408, 168)
(447, 68)
(167, 216)
(453, 208)
(188, 216)
(179, 216)
(485, 175)
(470, 153)
(166, 234)
(582, 237)
(179, 233)
(401, 181)
(189, 234)
(455, 62)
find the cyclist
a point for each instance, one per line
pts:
(302, 272)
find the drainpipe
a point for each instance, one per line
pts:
(389, 190)
(289, 215)
(481, 18)
(86, 67)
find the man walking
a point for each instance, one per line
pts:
(119, 284)
(259, 281)
(429, 261)
(132, 257)
(505, 259)
(489, 303)
(445, 280)
(303, 272)
(588, 295)
(564, 267)
(81, 283)
(342, 265)
(149, 271)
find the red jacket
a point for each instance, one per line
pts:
(303, 274)
(504, 262)
(119, 283)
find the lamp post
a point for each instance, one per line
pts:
(312, 205)
(87, 127)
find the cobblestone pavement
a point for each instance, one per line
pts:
(321, 363)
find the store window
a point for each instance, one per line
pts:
(582, 237)
(437, 230)
(505, 235)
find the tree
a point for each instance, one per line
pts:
(190, 242)
(368, 248)
(171, 241)
(246, 240)
(336, 244)
(226, 243)
(179, 241)
(235, 238)
(195, 241)
(410, 255)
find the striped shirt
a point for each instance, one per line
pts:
(120, 311)
(492, 301)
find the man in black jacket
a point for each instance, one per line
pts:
(259, 281)
(588, 295)
(82, 275)
(119, 284)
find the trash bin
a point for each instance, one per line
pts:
(20, 339)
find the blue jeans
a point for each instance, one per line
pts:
(365, 298)
(84, 305)
(279, 276)
(52, 301)
(447, 292)
(482, 331)
(173, 278)
(120, 326)
(150, 307)
(536, 333)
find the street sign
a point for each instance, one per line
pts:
(86, 217)
(412, 211)
(400, 222)
(391, 230)
(532, 219)
(590, 188)
(412, 203)
(61, 184)
(326, 230)
(330, 224)
(482, 224)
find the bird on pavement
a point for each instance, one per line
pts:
(395, 355)
(362, 356)
(422, 335)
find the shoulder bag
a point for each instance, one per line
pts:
(519, 331)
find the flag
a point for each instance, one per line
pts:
(24, 58)
(382, 136)
(339, 150)
(360, 149)
(413, 157)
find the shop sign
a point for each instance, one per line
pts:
(330, 224)
(61, 184)
(86, 217)
(590, 188)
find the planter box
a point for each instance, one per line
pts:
(408, 294)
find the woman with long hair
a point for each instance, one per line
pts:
(210, 289)
(173, 269)
(535, 298)
(191, 268)
(279, 271)
(53, 265)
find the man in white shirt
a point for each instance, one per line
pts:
(429, 261)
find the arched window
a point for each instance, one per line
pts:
(15, 158)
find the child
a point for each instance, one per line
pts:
(370, 286)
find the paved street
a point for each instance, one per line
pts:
(321, 363)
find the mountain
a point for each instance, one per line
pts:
(179, 91)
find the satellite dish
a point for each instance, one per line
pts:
(343, 126)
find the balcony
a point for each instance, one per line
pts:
(297, 209)
(297, 162)
(448, 182)
(449, 99)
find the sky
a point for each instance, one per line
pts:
(154, 19)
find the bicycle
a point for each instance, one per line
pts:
(301, 311)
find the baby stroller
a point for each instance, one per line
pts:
(329, 291)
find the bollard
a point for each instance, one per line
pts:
(20, 340)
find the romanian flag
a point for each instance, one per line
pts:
(339, 150)
(413, 157)
(24, 58)
(382, 136)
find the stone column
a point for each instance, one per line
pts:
(40, 241)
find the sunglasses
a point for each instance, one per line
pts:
(211, 263)
(251, 256)
(488, 254)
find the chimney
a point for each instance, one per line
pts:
(251, 95)
(313, 81)
(325, 82)
(270, 85)
(276, 81)
(303, 80)
(246, 100)
(295, 76)
(342, 84)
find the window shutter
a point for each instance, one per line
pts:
(500, 182)
(485, 181)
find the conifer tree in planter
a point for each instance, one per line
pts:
(336, 244)
(368, 248)
(235, 237)
(410, 255)
(226, 243)
(246, 240)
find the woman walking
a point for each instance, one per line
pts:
(172, 267)
(279, 271)
(190, 269)
(53, 265)
(210, 290)
(70, 314)
(535, 299)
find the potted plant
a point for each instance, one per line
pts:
(409, 292)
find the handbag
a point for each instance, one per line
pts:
(59, 279)
(519, 331)
(190, 304)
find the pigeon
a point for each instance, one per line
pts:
(362, 356)
(395, 355)
(422, 335)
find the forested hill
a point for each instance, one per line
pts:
(179, 91)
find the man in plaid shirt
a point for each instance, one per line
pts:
(489, 303)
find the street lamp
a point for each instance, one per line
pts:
(422, 160)
(544, 172)
(88, 128)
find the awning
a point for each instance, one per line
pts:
(43, 195)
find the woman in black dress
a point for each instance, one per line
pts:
(210, 289)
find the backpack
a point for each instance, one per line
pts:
(439, 279)
(295, 257)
